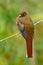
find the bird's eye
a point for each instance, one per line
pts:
(23, 15)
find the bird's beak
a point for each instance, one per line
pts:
(19, 15)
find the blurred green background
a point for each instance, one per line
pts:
(13, 50)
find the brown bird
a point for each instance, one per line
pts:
(26, 28)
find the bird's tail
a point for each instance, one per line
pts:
(29, 48)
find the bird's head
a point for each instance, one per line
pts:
(23, 14)
(22, 17)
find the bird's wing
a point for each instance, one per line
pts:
(24, 34)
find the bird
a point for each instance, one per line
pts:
(26, 28)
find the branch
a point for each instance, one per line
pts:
(19, 32)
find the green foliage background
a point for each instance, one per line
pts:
(13, 50)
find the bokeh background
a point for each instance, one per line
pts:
(13, 50)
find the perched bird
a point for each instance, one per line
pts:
(26, 28)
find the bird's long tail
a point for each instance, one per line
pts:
(29, 48)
